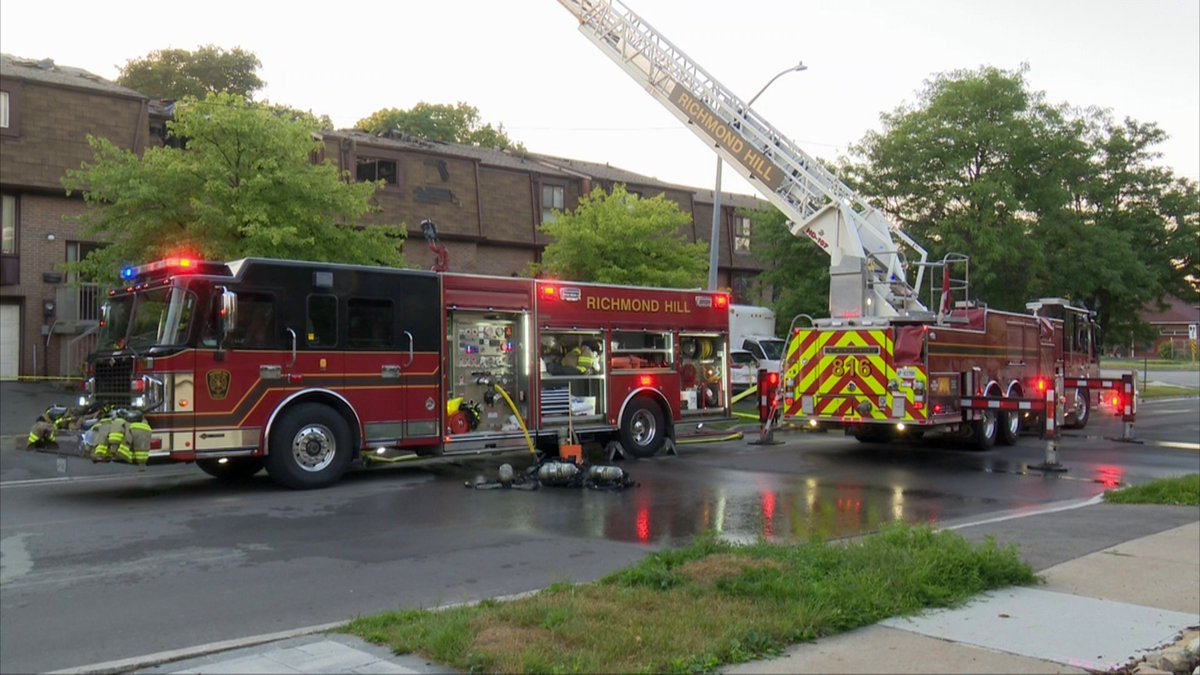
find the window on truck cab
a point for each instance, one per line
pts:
(321, 321)
(755, 349)
(256, 327)
(370, 323)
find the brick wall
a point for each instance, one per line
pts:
(54, 125)
(508, 205)
(39, 216)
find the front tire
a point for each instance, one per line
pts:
(643, 429)
(309, 447)
(234, 469)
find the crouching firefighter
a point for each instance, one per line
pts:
(123, 435)
(43, 432)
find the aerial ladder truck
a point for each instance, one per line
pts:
(883, 363)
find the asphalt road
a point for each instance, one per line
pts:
(106, 567)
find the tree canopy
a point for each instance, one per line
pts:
(620, 238)
(246, 185)
(458, 123)
(174, 74)
(1047, 200)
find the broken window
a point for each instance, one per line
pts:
(374, 169)
(552, 200)
(741, 234)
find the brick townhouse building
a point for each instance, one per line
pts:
(487, 204)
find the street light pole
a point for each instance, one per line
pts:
(714, 249)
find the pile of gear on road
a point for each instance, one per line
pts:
(108, 433)
(556, 473)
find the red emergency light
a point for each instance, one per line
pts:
(722, 301)
(549, 292)
(646, 381)
(1042, 384)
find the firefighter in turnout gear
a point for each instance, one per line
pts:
(43, 432)
(122, 435)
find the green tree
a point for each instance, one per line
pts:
(962, 171)
(619, 238)
(796, 269)
(458, 123)
(246, 185)
(174, 74)
(1045, 199)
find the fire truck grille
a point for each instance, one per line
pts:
(112, 380)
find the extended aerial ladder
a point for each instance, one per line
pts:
(868, 267)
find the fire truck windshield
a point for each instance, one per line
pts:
(147, 318)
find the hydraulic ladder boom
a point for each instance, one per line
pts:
(867, 267)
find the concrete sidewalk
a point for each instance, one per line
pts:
(1120, 581)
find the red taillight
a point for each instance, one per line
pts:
(937, 408)
(772, 379)
(918, 406)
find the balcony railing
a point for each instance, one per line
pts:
(79, 302)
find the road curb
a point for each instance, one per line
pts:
(157, 659)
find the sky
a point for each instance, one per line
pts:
(524, 64)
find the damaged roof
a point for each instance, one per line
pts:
(539, 163)
(48, 72)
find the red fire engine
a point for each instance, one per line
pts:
(883, 362)
(303, 367)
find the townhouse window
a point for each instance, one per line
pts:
(10, 111)
(8, 237)
(552, 200)
(741, 234)
(375, 169)
(10, 273)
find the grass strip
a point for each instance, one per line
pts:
(712, 603)
(1181, 491)
(1166, 391)
(1138, 365)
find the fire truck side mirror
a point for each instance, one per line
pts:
(226, 313)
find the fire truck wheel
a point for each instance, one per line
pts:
(643, 431)
(234, 469)
(1010, 428)
(1078, 415)
(983, 431)
(310, 447)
